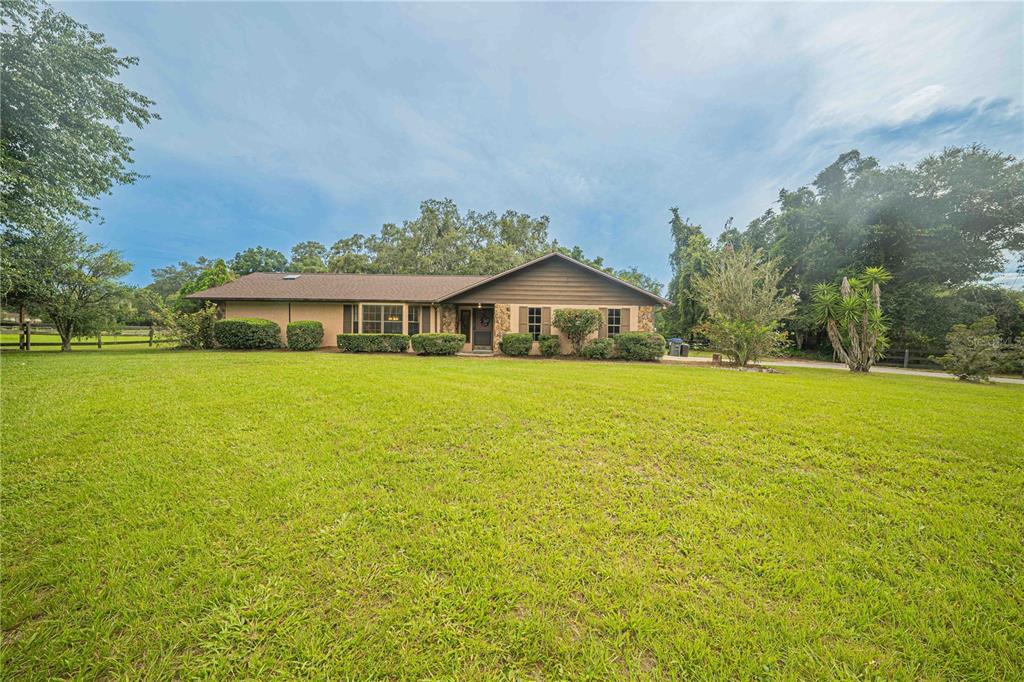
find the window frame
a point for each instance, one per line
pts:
(531, 324)
(414, 312)
(372, 318)
(617, 324)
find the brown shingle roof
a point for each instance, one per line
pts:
(321, 286)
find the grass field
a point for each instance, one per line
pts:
(254, 515)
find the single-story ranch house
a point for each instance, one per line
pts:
(483, 308)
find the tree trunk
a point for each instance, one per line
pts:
(65, 329)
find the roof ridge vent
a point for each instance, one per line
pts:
(291, 277)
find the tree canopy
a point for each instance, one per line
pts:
(60, 146)
(258, 259)
(937, 226)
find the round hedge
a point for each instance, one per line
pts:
(598, 349)
(645, 346)
(550, 345)
(305, 335)
(247, 333)
(516, 344)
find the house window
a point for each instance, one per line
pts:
(385, 319)
(614, 321)
(533, 322)
(392, 319)
(372, 315)
(414, 320)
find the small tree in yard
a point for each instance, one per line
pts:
(745, 305)
(973, 352)
(73, 283)
(577, 324)
(852, 315)
(193, 330)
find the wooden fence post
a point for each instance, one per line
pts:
(151, 334)
(28, 336)
(906, 358)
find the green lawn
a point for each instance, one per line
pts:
(175, 514)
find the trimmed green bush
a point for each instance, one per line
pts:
(438, 344)
(517, 344)
(247, 333)
(598, 349)
(577, 324)
(305, 335)
(646, 346)
(373, 343)
(550, 345)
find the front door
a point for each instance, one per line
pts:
(483, 328)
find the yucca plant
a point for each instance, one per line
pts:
(852, 316)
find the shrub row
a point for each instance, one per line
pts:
(247, 333)
(305, 335)
(373, 343)
(646, 346)
(438, 344)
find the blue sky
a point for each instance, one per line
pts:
(286, 122)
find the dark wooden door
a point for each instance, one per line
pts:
(483, 327)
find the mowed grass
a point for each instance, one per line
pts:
(255, 515)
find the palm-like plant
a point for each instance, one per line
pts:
(852, 316)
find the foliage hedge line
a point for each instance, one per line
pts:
(599, 349)
(438, 344)
(305, 335)
(247, 333)
(373, 343)
(645, 346)
(517, 344)
(550, 345)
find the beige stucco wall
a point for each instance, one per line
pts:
(330, 315)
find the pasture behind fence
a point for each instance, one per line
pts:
(28, 336)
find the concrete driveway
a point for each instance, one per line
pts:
(812, 364)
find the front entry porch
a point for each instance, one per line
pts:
(476, 323)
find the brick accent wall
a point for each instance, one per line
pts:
(449, 319)
(502, 323)
(645, 318)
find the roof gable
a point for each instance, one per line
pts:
(556, 278)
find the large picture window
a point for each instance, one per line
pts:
(414, 320)
(614, 321)
(386, 319)
(533, 322)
